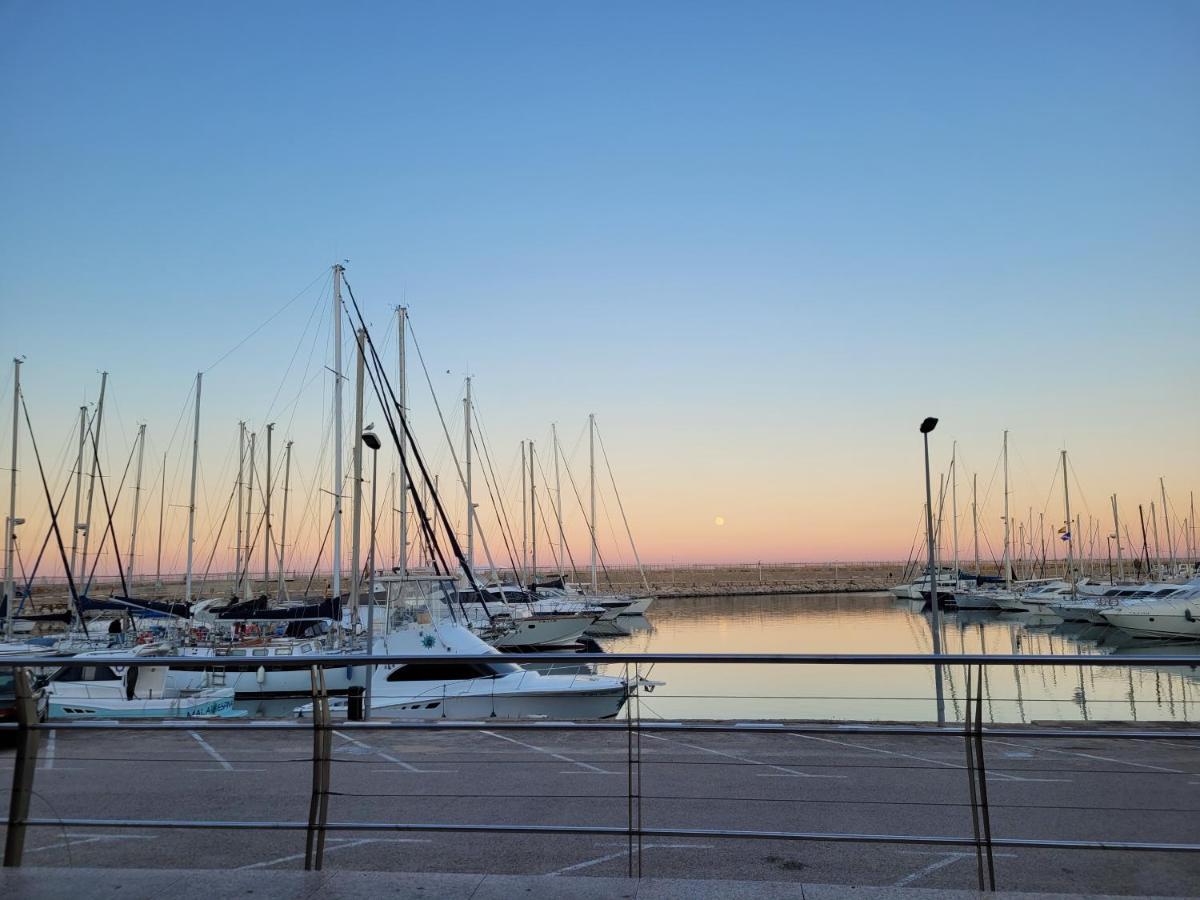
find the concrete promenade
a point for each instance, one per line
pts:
(1075, 788)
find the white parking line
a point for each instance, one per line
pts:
(595, 770)
(408, 767)
(588, 863)
(208, 748)
(1123, 762)
(1004, 776)
(49, 755)
(947, 860)
(781, 770)
(76, 839)
(341, 844)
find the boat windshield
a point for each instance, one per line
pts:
(450, 671)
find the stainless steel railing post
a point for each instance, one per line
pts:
(26, 764)
(318, 805)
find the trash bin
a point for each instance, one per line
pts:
(354, 704)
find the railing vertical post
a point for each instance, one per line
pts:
(985, 816)
(318, 805)
(637, 758)
(628, 772)
(26, 765)
(969, 747)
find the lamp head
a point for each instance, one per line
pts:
(928, 425)
(371, 439)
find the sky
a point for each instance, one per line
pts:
(761, 243)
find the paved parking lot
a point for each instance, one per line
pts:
(1063, 788)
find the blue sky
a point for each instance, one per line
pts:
(760, 241)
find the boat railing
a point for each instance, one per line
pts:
(983, 759)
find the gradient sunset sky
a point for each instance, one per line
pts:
(761, 242)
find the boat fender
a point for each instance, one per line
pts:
(261, 674)
(1187, 614)
(349, 673)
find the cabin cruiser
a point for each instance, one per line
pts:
(512, 619)
(444, 688)
(1171, 612)
(88, 688)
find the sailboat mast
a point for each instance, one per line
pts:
(267, 514)
(532, 515)
(1167, 523)
(975, 517)
(78, 486)
(191, 542)
(247, 587)
(137, 504)
(356, 499)
(954, 502)
(592, 469)
(87, 528)
(1070, 536)
(467, 475)
(10, 524)
(562, 541)
(1007, 526)
(524, 520)
(1154, 532)
(402, 561)
(336, 579)
(287, 487)
(162, 508)
(1117, 535)
(241, 478)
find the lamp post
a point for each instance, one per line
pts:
(927, 426)
(371, 439)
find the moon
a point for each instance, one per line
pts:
(719, 521)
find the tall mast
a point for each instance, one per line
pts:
(356, 498)
(10, 524)
(241, 478)
(470, 497)
(336, 580)
(954, 502)
(532, 514)
(1167, 523)
(592, 464)
(562, 541)
(137, 503)
(162, 508)
(1117, 535)
(191, 542)
(247, 586)
(87, 528)
(287, 482)
(78, 486)
(1192, 502)
(1070, 536)
(524, 520)
(1007, 527)
(402, 561)
(975, 517)
(1154, 532)
(267, 514)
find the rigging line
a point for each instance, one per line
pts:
(49, 531)
(496, 508)
(425, 528)
(62, 550)
(549, 537)
(591, 532)
(506, 532)
(110, 510)
(378, 369)
(217, 539)
(325, 272)
(621, 507)
(291, 362)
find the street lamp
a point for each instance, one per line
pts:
(927, 426)
(372, 442)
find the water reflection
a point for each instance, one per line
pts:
(878, 624)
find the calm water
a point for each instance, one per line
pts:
(877, 623)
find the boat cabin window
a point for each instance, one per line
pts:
(237, 652)
(87, 673)
(1166, 592)
(448, 671)
(263, 652)
(306, 648)
(283, 651)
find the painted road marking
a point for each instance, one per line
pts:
(1092, 756)
(784, 770)
(76, 839)
(407, 767)
(211, 751)
(587, 863)
(595, 770)
(937, 762)
(341, 844)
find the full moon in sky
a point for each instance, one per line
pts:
(719, 520)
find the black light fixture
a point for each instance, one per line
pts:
(928, 425)
(371, 439)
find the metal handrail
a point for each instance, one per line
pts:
(849, 659)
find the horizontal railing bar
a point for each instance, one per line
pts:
(869, 659)
(831, 837)
(617, 725)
